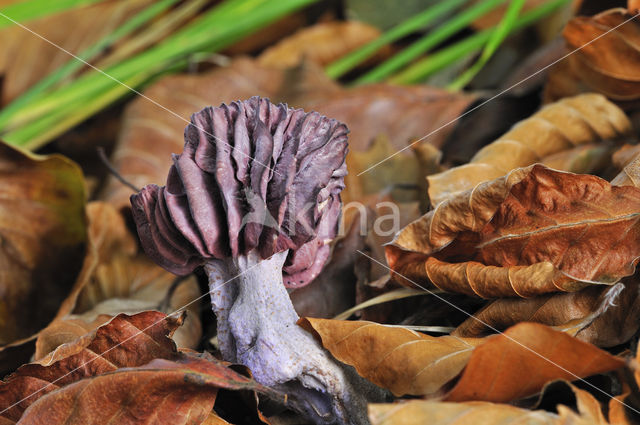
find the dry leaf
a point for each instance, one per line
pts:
(560, 126)
(401, 360)
(116, 278)
(605, 317)
(534, 231)
(25, 58)
(519, 362)
(401, 113)
(606, 59)
(321, 43)
(42, 228)
(419, 412)
(126, 341)
(583, 159)
(161, 392)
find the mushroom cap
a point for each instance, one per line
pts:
(253, 176)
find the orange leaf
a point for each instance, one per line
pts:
(404, 361)
(521, 361)
(534, 231)
(557, 127)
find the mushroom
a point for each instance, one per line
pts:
(255, 199)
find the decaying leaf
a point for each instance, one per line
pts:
(125, 341)
(26, 59)
(490, 369)
(404, 361)
(128, 368)
(519, 362)
(116, 278)
(42, 228)
(606, 59)
(605, 317)
(556, 127)
(322, 44)
(402, 113)
(418, 412)
(160, 392)
(533, 231)
(583, 159)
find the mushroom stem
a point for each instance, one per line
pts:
(257, 327)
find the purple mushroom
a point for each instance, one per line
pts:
(255, 199)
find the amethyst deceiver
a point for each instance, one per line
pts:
(255, 199)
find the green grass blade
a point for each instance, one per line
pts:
(345, 64)
(73, 64)
(497, 37)
(218, 28)
(429, 41)
(428, 66)
(33, 9)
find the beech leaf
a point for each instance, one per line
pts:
(402, 360)
(321, 43)
(556, 127)
(533, 231)
(519, 362)
(606, 59)
(116, 278)
(42, 228)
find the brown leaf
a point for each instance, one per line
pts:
(163, 391)
(606, 59)
(321, 43)
(401, 360)
(401, 113)
(125, 341)
(116, 278)
(557, 127)
(519, 362)
(42, 228)
(25, 58)
(605, 317)
(418, 412)
(534, 231)
(583, 159)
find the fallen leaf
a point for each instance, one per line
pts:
(163, 391)
(519, 362)
(606, 59)
(533, 231)
(42, 228)
(560, 126)
(583, 159)
(418, 412)
(401, 113)
(125, 341)
(321, 43)
(26, 59)
(605, 317)
(401, 360)
(116, 278)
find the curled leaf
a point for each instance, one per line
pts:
(556, 127)
(605, 317)
(606, 59)
(533, 231)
